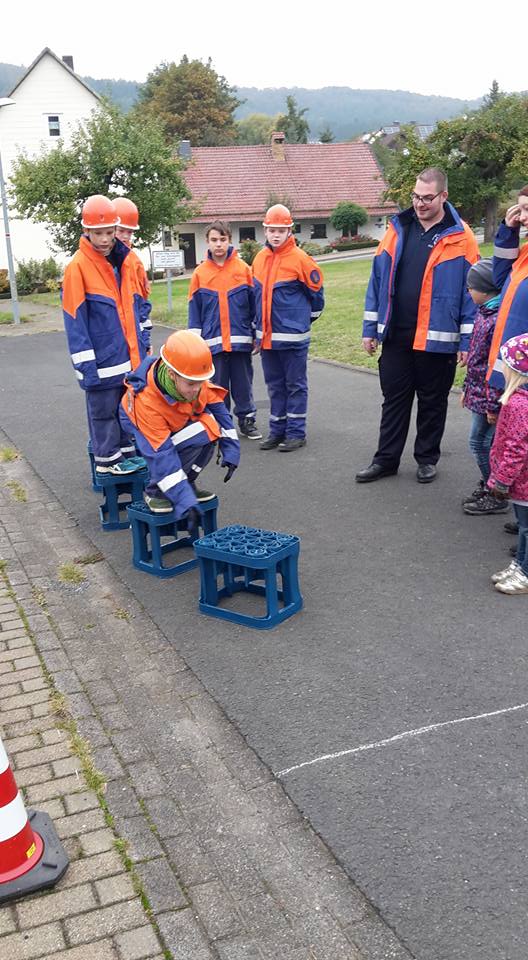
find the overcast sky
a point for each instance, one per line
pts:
(447, 48)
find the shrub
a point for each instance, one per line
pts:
(312, 248)
(248, 250)
(33, 275)
(4, 281)
(352, 243)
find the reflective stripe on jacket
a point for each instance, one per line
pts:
(510, 272)
(446, 312)
(143, 285)
(102, 318)
(222, 303)
(289, 295)
(164, 427)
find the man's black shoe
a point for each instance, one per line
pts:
(511, 526)
(286, 446)
(375, 472)
(271, 442)
(426, 472)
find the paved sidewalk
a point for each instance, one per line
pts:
(228, 867)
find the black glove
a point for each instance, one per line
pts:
(193, 518)
(231, 467)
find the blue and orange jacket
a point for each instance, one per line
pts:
(446, 312)
(289, 296)
(165, 427)
(510, 275)
(143, 285)
(103, 317)
(222, 303)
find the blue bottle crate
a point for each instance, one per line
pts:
(148, 529)
(241, 556)
(119, 493)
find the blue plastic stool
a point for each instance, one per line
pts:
(113, 509)
(96, 486)
(148, 526)
(242, 555)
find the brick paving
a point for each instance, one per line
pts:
(228, 868)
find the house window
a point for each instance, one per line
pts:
(297, 228)
(167, 238)
(54, 126)
(246, 233)
(318, 231)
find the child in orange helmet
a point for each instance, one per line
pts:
(128, 225)
(289, 297)
(178, 416)
(101, 301)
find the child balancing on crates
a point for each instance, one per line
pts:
(509, 458)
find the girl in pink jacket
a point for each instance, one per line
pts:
(509, 458)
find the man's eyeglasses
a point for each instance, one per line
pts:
(416, 198)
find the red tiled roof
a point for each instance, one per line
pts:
(235, 182)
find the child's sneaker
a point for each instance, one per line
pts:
(202, 495)
(141, 462)
(158, 504)
(504, 574)
(249, 429)
(516, 583)
(478, 492)
(120, 469)
(484, 505)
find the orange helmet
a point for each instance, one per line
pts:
(127, 212)
(188, 355)
(98, 211)
(278, 216)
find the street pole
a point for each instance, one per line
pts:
(5, 102)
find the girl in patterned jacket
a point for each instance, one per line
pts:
(509, 458)
(478, 396)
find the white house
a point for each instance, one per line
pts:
(50, 100)
(237, 184)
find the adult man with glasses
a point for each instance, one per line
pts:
(418, 307)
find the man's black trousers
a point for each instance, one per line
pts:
(405, 372)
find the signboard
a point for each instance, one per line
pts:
(168, 259)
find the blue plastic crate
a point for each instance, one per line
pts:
(242, 556)
(148, 528)
(119, 493)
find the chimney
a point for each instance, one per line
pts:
(277, 145)
(184, 149)
(68, 61)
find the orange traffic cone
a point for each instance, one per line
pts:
(31, 855)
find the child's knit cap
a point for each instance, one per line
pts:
(480, 277)
(515, 354)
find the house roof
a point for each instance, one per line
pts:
(61, 63)
(235, 182)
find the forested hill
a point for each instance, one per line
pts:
(346, 111)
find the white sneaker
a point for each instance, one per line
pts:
(516, 584)
(502, 574)
(119, 469)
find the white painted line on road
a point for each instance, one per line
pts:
(418, 732)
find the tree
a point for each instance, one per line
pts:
(256, 128)
(347, 217)
(192, 101)
(326, 135)
(494, 95)
(481, 154)
(110, 154)
(401, 178)
(292, 123)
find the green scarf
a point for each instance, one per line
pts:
(166, 383)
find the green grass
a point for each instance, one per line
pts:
(18, 492)
(7, 318)
(8, 454)
(70, 573)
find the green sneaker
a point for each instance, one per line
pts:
(202, 495)
(158, 504)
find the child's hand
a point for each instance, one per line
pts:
(512, 216)
(370, 344)
(492, 417)
(462, 358)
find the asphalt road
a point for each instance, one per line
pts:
(401, 631)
